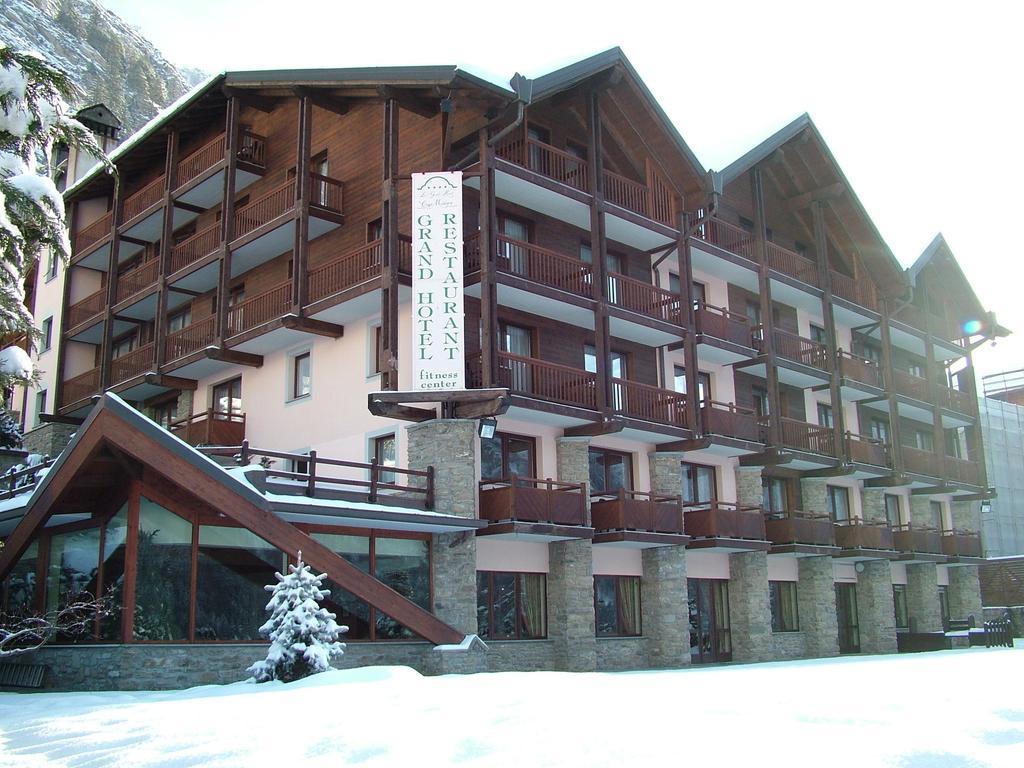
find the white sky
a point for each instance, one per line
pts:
(921, 103)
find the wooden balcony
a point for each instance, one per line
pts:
(624, 510)
(141, 201)
(796, 527)
(729, 420)
(860, 369)
(260, 309)
(132, 364)
(547, 381)
(794, 347)
(87, 309)
(345, 272)
(728, 237)
(642, 401)
(913, 538)
(529, 500)
(963, 470)
(264, 209)
(542, 158)
(137, 280)
(644, 299)
(326, 194)
(197, 247)
(860, 534)
(190, 339)
(908, 384)
(866, 450)
(93, 234)
(921, 462)
(961, 544)
(251, 150)
(210, 428)
(80, 387)
(807, 437)
(791, 263)
(955, 400)
(723, 324)
(724, 520)
(654, 198)
(860, 292)
(544, 266)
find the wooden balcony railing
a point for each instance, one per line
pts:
(796, 527)
(956, 400)
(148, 196)
(326, 193)
(961, 544)
(654, 199)
(917, 538)
(190, 339)
(265, 209)
(344, 272)
(548, 381)
(963, 470)
(729, 420)
(81, 386)
(189, 251)
(260, 309)
(624, 510)
(807, 437)
(211, 427)
(859, 369)
(844, 286)
(866, 450)
(794, 347)
(529, 500)
(133, 364)
(724, 520)
(921, 462)
(642, 401)
(90, 235)
(728, 237)
(252, 148)
(546, 160)
(471, 253)
(791, 263)
(860, 534)
(723, 324)
(644, 299)
(200, 161)
(86, 309)
(910, 385)
(544, 266)
(137, 280)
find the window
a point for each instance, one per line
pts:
(825, 415)
(51, 264)
(302, 382)
(915, 369)
(923, 440)
(944, 604)
(166, 412)
(374, 231)
(511, 606)
(610, 470)
(513, 232)
(673, 282)
(774, 495)
(617, 606)
(879, 430)
(40, 404)
(385, 454)
(818, 334)
(935, 512)
(124, 345)
(703, 384)
(537, 159)
(782, 599)
(505, 455)
(839, 503)
(699, 486)
(892, 510)
(46, 331)
(518, 341)
(759, 395)
(700, 294)
(899, 603)
(227, 397)
(752, 309)
(179, 320)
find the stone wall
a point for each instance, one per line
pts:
(816, 603)
(449, 446)
(621, 653)
(749, 613)
(876, 615)
(573, 457)
(920, 510)
(964, 593)
(873, 504)
(923, 605)
(453, 560)
(666, 473)
(748, 486)
(48, 439)
(814, 495)
(788, 645)
(665, 606)
(966, 515)
(571, 604)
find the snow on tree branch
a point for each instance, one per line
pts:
(23, 634)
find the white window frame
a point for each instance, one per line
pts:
(289, 383)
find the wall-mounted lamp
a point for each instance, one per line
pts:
(487, 427)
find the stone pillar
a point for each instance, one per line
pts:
(923, 598)
(920, 510)
(748, 486)
(573, 457)
(964, 593)
(449, 446)
(665, 605)
(966, 515)
(814, 496)
(186, 402)
(872, 502)
(749, 613)
(816, 601)
(571, 605)
(876, 615)
(666, 473)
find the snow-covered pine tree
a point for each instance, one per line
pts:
(303, 636)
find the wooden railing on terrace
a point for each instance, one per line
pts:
(136, 281)
(791, 263)
(133, 364)
(921, 462)
(624, 510)
(344, 272)
(856, 291)
(252, 148)
(908, 384)
(81, 386)
(87, 308)
(211, 427)
(644, 298)
(200, 161)
(798, 527)
(326, 193)
(265, 209)
(730, 420)
(530, 500)
(546, 160)
(16, 482)
(856, 533)
(860, 369)
(917, 538)
(958, 543)
(866, 450)
(542, 265)
(470, 253)
(719, 519)
(956, 400)
(728, 237)
(548, 381)
(89, 235)
(190, 339)
(642, 401)
(148, 196)
(963, 470)
(260, 309)
(201, 244)
(654, 199)
(723, 324)
(807, 437)
(794, 347)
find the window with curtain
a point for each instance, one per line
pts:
(504, 455)
(610, 470)
(699, 484)
(774, 495)
(783, 602)
(617, 606)
(899, 602)
(511, 606)
(839, 503)
(892, 510)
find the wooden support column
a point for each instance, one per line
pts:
(166, 246)
(490, 342)
(300, 249)
(936, 377)
(108, 318)
(598, 251)
(685, 257)
(827, 313)
(976, 446)
(895, 446)
(767, 319)
(227, 219)
(60, 319)
(389, 251)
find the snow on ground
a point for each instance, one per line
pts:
(933, 710)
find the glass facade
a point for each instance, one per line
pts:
(511, 606)
(163, 576)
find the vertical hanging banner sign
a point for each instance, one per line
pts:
(438, 317)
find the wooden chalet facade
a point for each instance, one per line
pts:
(718, 384)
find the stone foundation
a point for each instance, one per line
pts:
(48, 439)
(665, 607)
(876, 615)
(749, 613)
(923, 605)
(621, 654)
